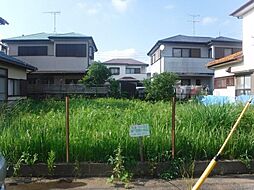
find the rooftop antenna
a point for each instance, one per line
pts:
(54, 13)
(194, 21)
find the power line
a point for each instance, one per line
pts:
(194, 21)
(54, 13)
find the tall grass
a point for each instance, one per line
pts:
(97, 127)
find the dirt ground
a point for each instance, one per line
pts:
(232, 182)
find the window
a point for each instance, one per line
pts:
(210, 53)
(133, 71)
(3, 84)
(14, 87)
(185, 82)
(243, 85)
(91, 52)
(228, 51)
(71, 81)
(223, 82)
(198, 82)
(177, 52)
(186, 52)
(47, 80)
(195, 53)
(70, 50)
(114, 70)
(32, 50)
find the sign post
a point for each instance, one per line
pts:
(67, 127)
(173, 125)
(140, 131)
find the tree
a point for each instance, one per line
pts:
(160, 87)
(97, 75)
(114, 88)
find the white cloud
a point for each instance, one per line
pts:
(208, 20)
(113, 54)
(121, 5)
(169, 7)
(91, 9)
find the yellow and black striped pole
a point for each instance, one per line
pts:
(214, 161)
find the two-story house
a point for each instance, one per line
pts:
(129, 72)
(187, 56)
(60, 58)
(233, 75)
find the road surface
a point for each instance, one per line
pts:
(232, 182)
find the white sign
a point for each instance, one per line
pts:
(139, 130)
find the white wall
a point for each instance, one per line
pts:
(122, 74)
(229, 91)
(156, 67)
(221, 72)
(248, 39)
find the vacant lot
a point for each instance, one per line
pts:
(97, 126)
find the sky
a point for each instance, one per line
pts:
(122, 28)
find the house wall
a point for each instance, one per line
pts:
(139, 77)
(168, 50)
(50, 62)
(229, 90)
(187, 65)
(156, 68)
(248, 40)
(14, 73)
(180, 64)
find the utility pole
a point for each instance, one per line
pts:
(54, 13)
(194, 21)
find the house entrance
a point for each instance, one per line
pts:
(128, 88)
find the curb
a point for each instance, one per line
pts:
(86, 169)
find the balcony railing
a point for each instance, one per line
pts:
(65, 89)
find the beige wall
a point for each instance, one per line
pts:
(50, 62)
(14, 72)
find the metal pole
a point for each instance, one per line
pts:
(173, 125)
(140, 139)
(214, 161)
(67, 127)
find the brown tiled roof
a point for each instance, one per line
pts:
(233, 58)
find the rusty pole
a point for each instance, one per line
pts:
(173, 125)
(67, 127)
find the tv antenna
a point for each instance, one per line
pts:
(54, 13)
(194, 21)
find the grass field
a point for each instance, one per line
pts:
(97, 126)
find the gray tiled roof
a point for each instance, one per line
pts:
(13, 61)
(47, 36)
(193, 40)
(198, 39)
(124, 62)
(225, 39)
(187, 39)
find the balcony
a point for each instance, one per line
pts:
(187, 65)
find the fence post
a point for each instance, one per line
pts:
(67, 127)
(173, 125)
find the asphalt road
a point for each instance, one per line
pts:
(233, 182)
